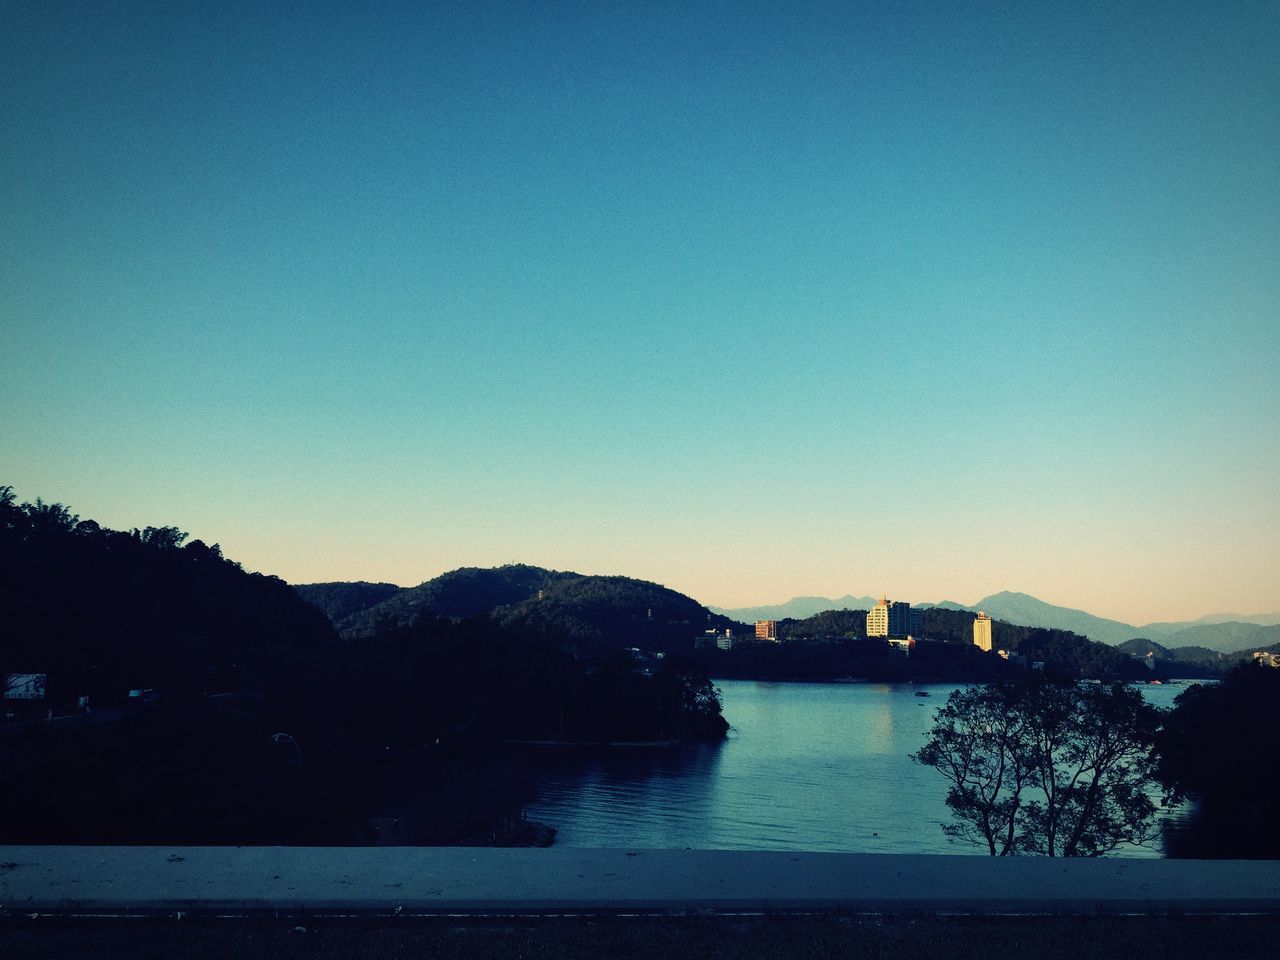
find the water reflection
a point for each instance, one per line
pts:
(633, 797)
(806, 767)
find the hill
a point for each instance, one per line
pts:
(1261, 619)
(104, 611)
(1192, 661)
(259, 726)
(829, 624)
(1016, 608)
(797, 608)
(1224, 637)
(461, 593)
(588, 612)
(1139, 647)
(337, 601)
(1020, 608)
(834, 644)
(596, 612)
(1227, 637)
(1216, 632)
(1210, 633)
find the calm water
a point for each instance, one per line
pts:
(807, 766)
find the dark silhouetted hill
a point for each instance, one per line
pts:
(340, 600)
(600, 612)
(465, 592)
(588, 613)
(105, 611)
(261, 726)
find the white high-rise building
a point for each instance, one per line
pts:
(894, 619)
(878, 619)
(982, 632)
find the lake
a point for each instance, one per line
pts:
(807, 766)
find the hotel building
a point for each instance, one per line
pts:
(895, 619)
(982, 632)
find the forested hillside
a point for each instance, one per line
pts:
(465, 592)
(590, 613)
(104, 611)
(341, 600)
(834, 643)
(256, 724)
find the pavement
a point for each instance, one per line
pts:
(474, 880)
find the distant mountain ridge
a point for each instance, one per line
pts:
(1211, 632)
(508, 592)
(797, 608)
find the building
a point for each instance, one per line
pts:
(721, 639)
(1264, 658)
(982, 632)
(894, 619)
(767, 630)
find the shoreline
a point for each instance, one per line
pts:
(599, 744)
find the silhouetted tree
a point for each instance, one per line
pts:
(1038, 766)
(1218, 748)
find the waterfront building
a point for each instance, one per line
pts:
(767, 630)
(894, 619)
(722, 639)
(982, 632)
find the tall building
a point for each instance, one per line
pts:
(894, 619)
(767, 630)
(982, 632)
(878, 619)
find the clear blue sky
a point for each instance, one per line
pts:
(753, 300)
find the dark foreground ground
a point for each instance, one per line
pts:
(650, 937)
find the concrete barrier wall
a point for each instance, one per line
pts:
(477, 880)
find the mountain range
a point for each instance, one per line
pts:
(797, 608)
(592, 607)
(1223, 633)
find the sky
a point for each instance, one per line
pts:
(749, 299)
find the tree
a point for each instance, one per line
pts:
(1040, 766)
(1218, 749)
(166, 538)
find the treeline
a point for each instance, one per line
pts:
(1218, 749)
(855, 659)
(103, 611)
(1190, 662)
(257, 723)
(834, 644)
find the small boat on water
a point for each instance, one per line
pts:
(922, 693)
